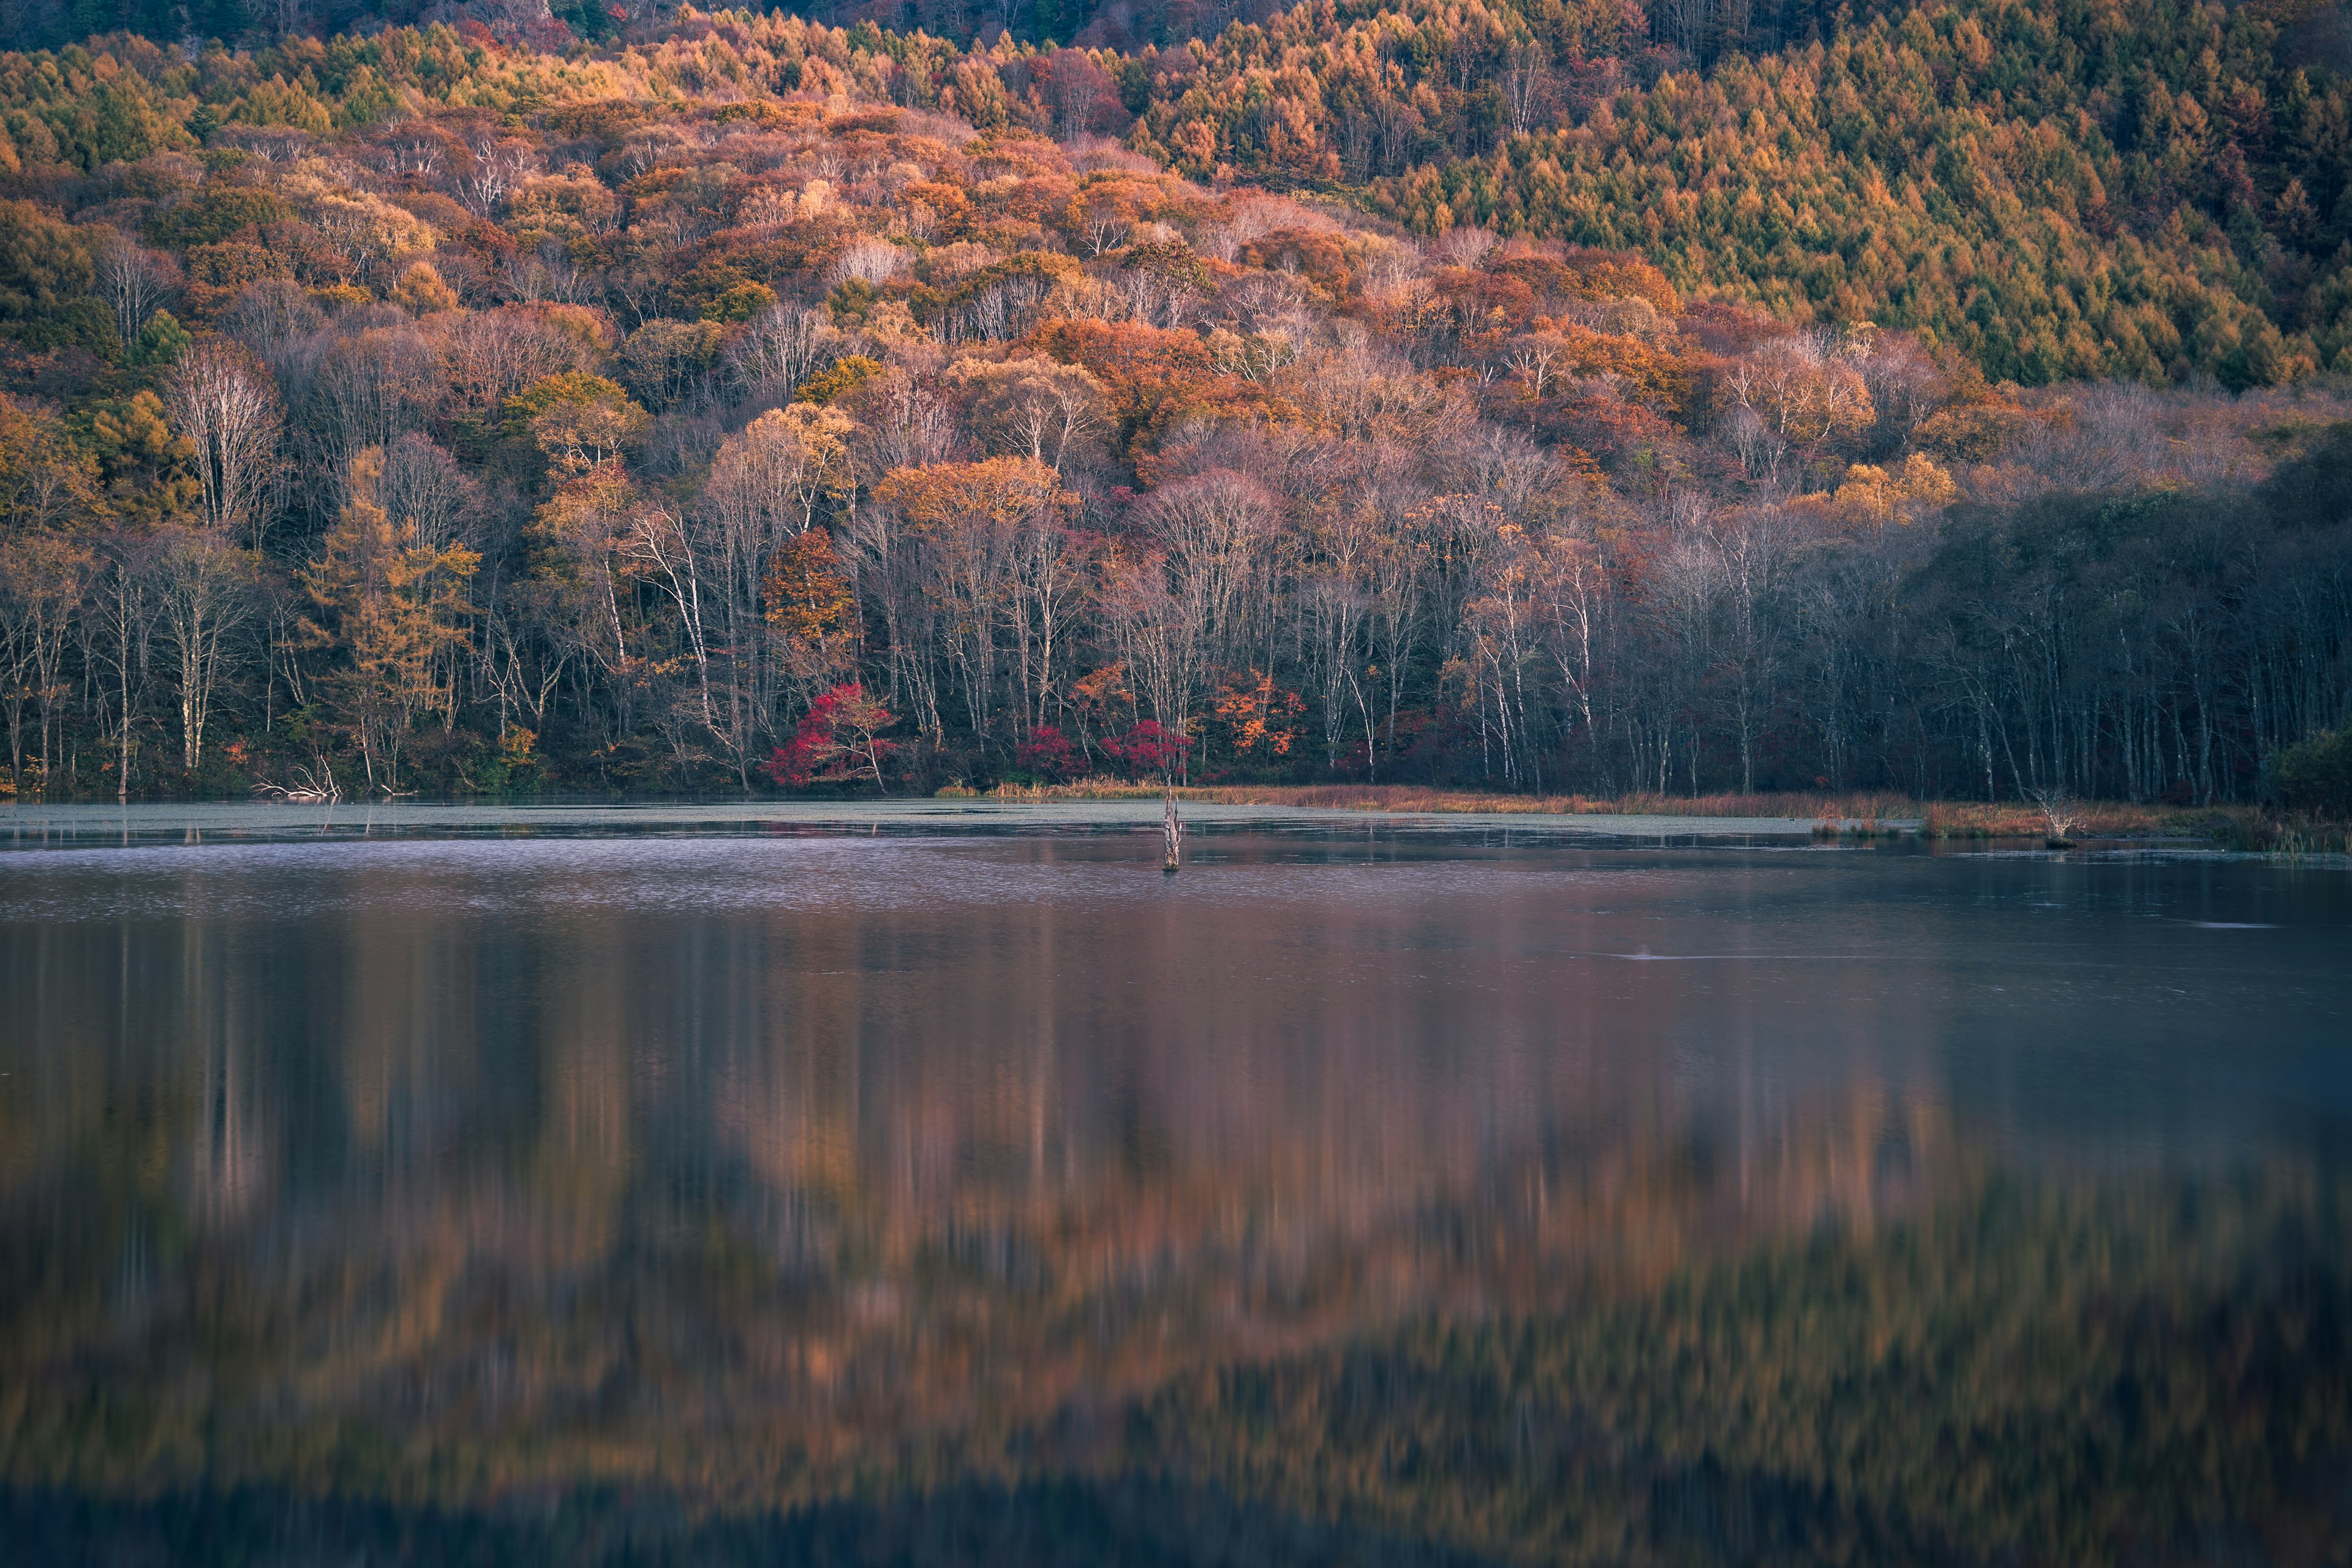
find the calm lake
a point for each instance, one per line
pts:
(732, 1184)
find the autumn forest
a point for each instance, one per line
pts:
(1952, 398)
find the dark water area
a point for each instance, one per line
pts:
(1364, 1193)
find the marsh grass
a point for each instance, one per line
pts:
(2294, 835)
(1860, 814)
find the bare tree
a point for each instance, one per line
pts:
(1749, 548)
(907, 425)
(221, 400)
(660, 549)
(1034, 408)
(780, 348)
(135, 282)
(487, 356)
(43, 579)
(1535, 357)
(1806, 389)
(1527, 83)
(204, 593)
(1147, 627)
(123, 617)
(269, 315)
(764, 486)
(2060, 810)
(492, 171)
(422, 487)
(1218, 532)
(369, 390)
(1688, 24)
(1079, 88)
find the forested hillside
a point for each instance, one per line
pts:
(1547, 397)
(2058, 190)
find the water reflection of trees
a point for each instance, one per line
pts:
(732, 1206)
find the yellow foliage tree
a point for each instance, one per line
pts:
(399, 608)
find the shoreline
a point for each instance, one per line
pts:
(1857, 813)
(1111, 806)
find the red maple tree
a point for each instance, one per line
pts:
(838, 740)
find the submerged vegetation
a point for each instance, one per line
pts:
(1549, 399)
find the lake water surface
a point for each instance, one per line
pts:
(734, 1184)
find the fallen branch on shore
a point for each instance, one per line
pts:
(309, 787)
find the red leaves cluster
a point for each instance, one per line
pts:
(1149, 749)
(838, 740)
(1047, 755)
(1146, 751)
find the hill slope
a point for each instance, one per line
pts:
(2136, 188)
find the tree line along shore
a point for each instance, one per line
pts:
(1500, 400)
